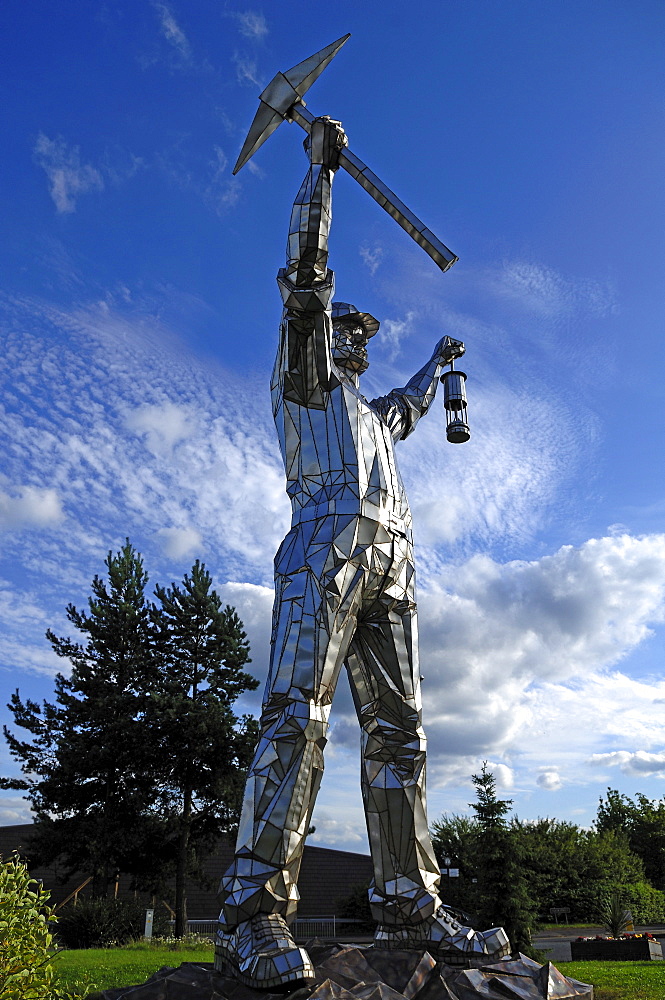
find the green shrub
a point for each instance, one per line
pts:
(26, 939)
(645, 903)
(100, 923)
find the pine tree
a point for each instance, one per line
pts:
(205, 749)
(139, 764)
(503, 895)
(87, 767)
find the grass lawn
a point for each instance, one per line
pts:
(105, 968)
(620, 980)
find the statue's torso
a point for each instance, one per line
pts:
(340, 457)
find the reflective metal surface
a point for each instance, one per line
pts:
(262, 951)
(344, 595)
(454, 401)
(282, 100)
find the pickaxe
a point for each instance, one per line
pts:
(282, 100)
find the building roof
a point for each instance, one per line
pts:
(326, 876)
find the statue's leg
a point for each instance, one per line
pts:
(385, 680)
(314, 619)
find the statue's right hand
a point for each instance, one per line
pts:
(325, 141)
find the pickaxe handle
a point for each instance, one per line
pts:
(387, 199)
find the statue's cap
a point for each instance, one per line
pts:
(344, 314)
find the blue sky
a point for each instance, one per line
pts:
(138, 315)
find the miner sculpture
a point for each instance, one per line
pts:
(344, 596)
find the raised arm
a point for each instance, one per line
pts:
(305, 283)
(402, 408)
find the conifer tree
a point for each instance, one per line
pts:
(205, 749)
(503, 896)
(139, 764)
(87, 769)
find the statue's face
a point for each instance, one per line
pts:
(349, 349)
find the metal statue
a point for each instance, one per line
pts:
(344, 595)
(282, 100)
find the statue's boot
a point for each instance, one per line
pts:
(261, 953)
(446, 939)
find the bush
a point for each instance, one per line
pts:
(26, 941)
(100, 923)
(356, 907)
(646, 904)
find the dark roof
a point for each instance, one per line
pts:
(326, 875)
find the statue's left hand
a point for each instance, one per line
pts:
(447, 349)
(325, 141)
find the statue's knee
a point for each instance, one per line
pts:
(296, 720)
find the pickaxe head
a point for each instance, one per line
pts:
(283, 91)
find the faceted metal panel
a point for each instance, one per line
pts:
(282, 101)
(344, 596)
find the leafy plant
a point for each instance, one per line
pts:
(26, 939)
(614, 915)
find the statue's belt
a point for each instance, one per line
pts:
(352, 508)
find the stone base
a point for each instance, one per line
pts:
(351, 973)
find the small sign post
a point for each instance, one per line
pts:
(149, 914)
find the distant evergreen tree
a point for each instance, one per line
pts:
(492, 884)
(204, 748)
(455, 838)
(563, 865)
(88, 768)
(504, 894)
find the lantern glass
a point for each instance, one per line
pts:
(454, 401)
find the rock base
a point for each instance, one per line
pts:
(351, 973)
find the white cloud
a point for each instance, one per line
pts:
(219, 164)
(135, 436)
(637, 762)
(371, 256)
(393, 331)
(340, 830)
(549, 779)
(255, 169)
(181, 542)
(68, 177)
(503, 775)
(164, 426)
(246, 71)
(250, 23)
(30, 507)
(171, 30)
(547, 292)
(14, 811)
(254, 606)
(497, 485)
(490, 631)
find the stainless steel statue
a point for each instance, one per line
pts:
(344, 595)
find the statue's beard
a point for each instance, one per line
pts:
(350, 362)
